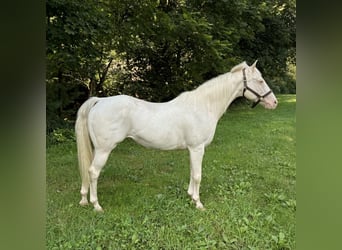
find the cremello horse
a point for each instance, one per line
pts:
(186, 122)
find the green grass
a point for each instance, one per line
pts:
(248, 189)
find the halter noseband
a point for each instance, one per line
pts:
(260, 97)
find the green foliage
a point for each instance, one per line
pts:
(248, 189)
(172, 51)
(61, 135)
(157, 49)
(274, 44)
(78, 51)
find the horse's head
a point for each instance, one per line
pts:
(256, 88)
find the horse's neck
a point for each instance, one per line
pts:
(215, 95)
(223, 92)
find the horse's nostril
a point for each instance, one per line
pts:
(275, 102)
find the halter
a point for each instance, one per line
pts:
(260, 97)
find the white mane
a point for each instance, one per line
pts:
(239, 67)
(216, 94)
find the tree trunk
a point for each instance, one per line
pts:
(103, 75)
(92, 87)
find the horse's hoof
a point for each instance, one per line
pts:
(200, 206)
(98, 209)
(84, 203)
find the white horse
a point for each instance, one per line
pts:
(186, 122)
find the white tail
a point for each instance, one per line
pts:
(84, 147)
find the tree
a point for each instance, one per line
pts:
(157, 49)
(275, 44)
(166, 49)
(79, 41)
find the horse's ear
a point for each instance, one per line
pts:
(254, 65)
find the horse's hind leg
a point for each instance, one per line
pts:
(196, 156)
(99, 161)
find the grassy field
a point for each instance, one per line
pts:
(248, 189)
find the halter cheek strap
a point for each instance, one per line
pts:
(260, 97)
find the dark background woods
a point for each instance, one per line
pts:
(155, 50)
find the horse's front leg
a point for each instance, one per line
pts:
(196, 156)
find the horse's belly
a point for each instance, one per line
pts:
(158, 140)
